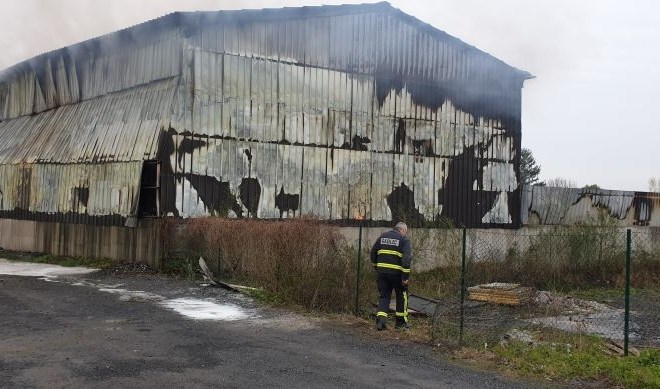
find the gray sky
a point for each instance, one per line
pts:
(586, 117)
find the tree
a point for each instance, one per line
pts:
(560, 182)
(529, 170)
(654, 184)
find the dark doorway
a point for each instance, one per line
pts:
(150, 190)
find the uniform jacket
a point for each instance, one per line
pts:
(391, 254)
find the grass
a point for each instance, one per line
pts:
(185, 268)
(559, 357)
(564, 357)
(613, 294)
(300, 262)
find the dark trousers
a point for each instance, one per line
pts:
(386, 283)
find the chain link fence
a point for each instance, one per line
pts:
(572, 279)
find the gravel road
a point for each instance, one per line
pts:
(101, 330)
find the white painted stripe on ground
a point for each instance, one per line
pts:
(205, 310)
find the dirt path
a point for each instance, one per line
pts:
(98, 330)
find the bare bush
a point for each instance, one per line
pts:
(299, 261)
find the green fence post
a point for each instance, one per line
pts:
(460, 339)
(627, 313)
(359, 266)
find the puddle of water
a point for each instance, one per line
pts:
(28, 269)
(205, 310)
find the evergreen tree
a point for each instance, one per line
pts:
(529, 170)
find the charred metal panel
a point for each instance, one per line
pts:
(565, 206)
(401, 51)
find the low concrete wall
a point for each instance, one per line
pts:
(432, 248)
(140, 244)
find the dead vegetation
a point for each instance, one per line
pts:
(301, 262)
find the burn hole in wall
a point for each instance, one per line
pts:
(150, 190)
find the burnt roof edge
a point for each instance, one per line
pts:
(197, 18)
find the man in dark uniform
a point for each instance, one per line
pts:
(391, 258)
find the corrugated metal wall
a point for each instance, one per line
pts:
(83, 162)
(566, 206)
(337, 116)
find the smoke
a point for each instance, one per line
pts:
(33, 27)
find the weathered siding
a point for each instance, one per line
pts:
(140, 244)
(566, 206)
(372, 114)
(82, 163)
(70, 192)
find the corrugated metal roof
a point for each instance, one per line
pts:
(191, 22)
(124, 59)
(120, 126)
(72, 75)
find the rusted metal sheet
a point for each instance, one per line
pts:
(332, 111)
(566, 206)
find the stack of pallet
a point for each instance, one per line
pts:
(500, 293)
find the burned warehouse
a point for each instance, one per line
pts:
(335, 112)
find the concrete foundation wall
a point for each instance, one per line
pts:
(141, 244)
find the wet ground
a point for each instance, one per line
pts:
(103, 330)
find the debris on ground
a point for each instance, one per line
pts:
(582, 316)
(613, 347)
(126, 268)
(518, 335)
(568, 304)
(209, 277)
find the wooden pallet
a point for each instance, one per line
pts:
(500, 293)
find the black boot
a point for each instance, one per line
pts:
(381, 323)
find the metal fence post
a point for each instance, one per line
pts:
(627, 293)
(462, 284)
(359, 267)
